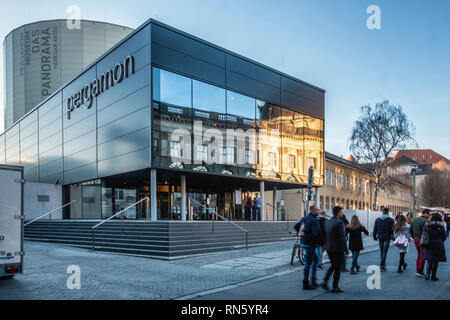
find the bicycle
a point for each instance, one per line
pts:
(297, 249)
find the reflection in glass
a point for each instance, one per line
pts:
(207, 97)
(242, 106)
(171, 88)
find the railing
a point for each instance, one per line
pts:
(114, 215)
(223, 218)
(285, 213)
(50, 213)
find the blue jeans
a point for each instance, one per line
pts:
(355, 255)
(384, 247)
(311, 262)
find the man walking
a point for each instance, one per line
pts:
(383, 233)
(309, 243)
(336, 246)
(416, 233)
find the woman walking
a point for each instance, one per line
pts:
(355, 244)
(402, 239)
(435, 250)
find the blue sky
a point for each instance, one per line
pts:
(324, 42)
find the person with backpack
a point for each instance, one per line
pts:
(402, 239)
(336, 246)
(355, 243)
(435, 235)
(309, 231)
(416, 231)
(383, 233)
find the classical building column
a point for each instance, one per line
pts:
(317, 201)
(153, 186)
(275, 209)
(263, 204)
(183, 198)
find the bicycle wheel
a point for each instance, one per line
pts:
(294, 251)
(301, 256)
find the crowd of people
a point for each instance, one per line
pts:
(319, 234)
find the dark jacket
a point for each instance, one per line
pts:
(417, 227)
(312, 230)
(435, 251)
(355, 242)
(322, 234)
(383, 228)
(336, 242)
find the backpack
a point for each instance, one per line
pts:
(401, 242)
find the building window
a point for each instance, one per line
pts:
(292, 161)
(207, 97)
(241, 106)
(333, 203)
(327, 203)
(175, 149)
(312, 162)
(327, 177)
(171, 88)
(332, 177)
(272, 159)
(321, 203)
(202, 152)
(249, 157)
(347, 204)
(227, 155)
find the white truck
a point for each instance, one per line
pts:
(11, 220)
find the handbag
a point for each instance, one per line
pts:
(401, 242)
(425, 238)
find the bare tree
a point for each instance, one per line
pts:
(376, 135)
(434, 191)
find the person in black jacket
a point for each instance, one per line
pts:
(435, 249)
(309, 243)
(336, 247)
(383, 233)
(322, 237)
(344, 261)
(355, 243)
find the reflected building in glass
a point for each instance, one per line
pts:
(171, 117)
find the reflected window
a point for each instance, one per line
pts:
(207, 97)
(176, 150)
(202, 152)
(239, 105)
(292, 161)
(272, 157)
(171, 88)
(227, 155)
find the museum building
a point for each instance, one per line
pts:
(169, 117)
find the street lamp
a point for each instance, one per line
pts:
(414, 168)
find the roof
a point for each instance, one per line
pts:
(422, 156)
(345, 162)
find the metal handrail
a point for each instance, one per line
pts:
(114, 215)
(50, 212)
(225, 219)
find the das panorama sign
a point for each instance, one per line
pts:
(85, 96)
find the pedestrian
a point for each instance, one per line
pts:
(409, 218)
(344, 261)
(402, 239)
(446, 221)
(257, 207)
(355, 243)
(309, 242)
(415, 231)
(248, 207)
(383, 233)
(336, 247)
(435, 249)
(322, 237)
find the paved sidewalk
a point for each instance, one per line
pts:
(272, 258)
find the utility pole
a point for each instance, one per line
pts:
(309, 195)
(414, 168)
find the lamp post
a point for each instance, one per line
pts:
(414, 168)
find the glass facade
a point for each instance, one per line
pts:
(210, 129)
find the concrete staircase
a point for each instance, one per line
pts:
(161, 239)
